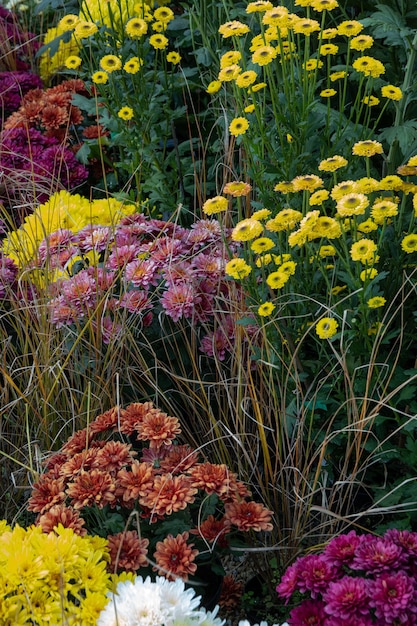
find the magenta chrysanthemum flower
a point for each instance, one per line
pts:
(180, 300)
(80, 290)
(406, 539)
(308, 613)
(122, 256)
(315, 573)
(377, 555)
(289, 581)
(57, 242)
(96, 238)
(346, 599)
(391, 595)
(8, 274)
(216, 344)
(141, 273)
(341, 549)
(358, 621)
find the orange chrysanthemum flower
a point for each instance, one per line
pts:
(61, 514)
(127, 552)
(169, 494)
(94, 487)
(179, 459)
(78, 442)
(133, 414)
(113, 456)
(231, 593)
(80, 462)
(248, 515)
(212, 478)
(237, 188)
(174, 557)
(158, 428)
(46, 492)
(131, 485)
(108, 420)
(213, 530)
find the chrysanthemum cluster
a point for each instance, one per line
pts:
(156, 603)
(13, 86)
(56, 578)
(160, 505)
(18, 45)
(357, 579)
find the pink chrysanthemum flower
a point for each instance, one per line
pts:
(208, 264)
(141, 273)
(315, 574)
(308, 613)
(406, 539)
(122, 255)
(94, 238)
(203, 231)
(377, 555)
(135, 301)
(341, 549)
(55, 243)
(346, 599)
(289, 581)
(391, 595)
(62, 313)
(180, 300)
(80, 290)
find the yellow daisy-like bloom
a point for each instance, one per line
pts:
(259, 6)
(273, 17)
(163, 14)
(72, 62)
(249, 109)
(391, 92)
(133, 65)
(276, 280)
(158, 41)
(368, 274)
(382, 210)
(343, 188)
(233, 29)
(412, 161)
(214, 86)
(306, 26)
(245, 79)
(265, 309)
(297, 238)
(337, 76)
(218, 204)
(85, 29)
(263, 260)
(325, 251)
(285, 186)
(326, 327)
(350, 28)
(284, 220)
(368, 226)
(363, 251)
(159, 27)
(361, 42)
(288, 267)
(369, 66)
(325, 226)
(308, 182)
(370, 101)
(231, 72)
(312, 64)
(174, 57)
(110, 63)
(238, 126)
(407, 170)
(262, 214)
(328, 49)
(329, 33)
(409, 243)
(376, 302)
(318, 197)
(125, 113)
(257, 87)
(136, 28)
(237, 188)
(50, 64)
(390, 182)
(328, 93)
(367, 185)
(367, 148)
(332, 163)
(309, 220)
(237, 268)
(100, 78)
(246, 230)
(324, 5)
(262, 244)
(352, 204)
(230, 58)
(68, 22)
(264, 55)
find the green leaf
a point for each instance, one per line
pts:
(83, 153)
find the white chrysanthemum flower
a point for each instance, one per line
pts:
(179, 601)
(209, 618)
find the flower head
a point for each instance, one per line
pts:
(326, 327)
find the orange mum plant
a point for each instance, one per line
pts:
(163, 508)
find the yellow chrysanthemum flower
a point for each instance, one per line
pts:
(237, 268)
(367, 148)
(326, 327)
(218, 204)
(391, 92)
(265, 309)
(369, 66)
(110, 63)
(364, 251)
(238, 126)
(136, 28)
(376, 302)
(246, 230)
(361, 43)
(230, 58)
(409, 243)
